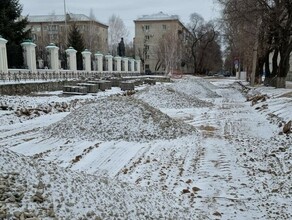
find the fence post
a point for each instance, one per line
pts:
(29, 55)
(3, 56)
(138, 65)
(125, 64)
(99, 61)
(71, 59)
(109, 59)
(118, 60)
(53, 57)
(86, 60)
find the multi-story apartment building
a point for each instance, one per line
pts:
(48, 29)
(158, 42)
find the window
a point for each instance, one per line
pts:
(164, 26)
(147, 27)
(147, 37)
(52, 27)
(36, 28)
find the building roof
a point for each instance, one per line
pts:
(158, 16)
(60, 18)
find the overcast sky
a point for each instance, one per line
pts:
(127, 10)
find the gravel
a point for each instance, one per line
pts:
(119, 118)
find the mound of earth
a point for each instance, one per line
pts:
(118, 118)
(161, 96)
(195, 88)
(35, 189)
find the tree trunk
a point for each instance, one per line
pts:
(260, 70)
(275, 63)
(281, 82)
(284, 66)
(284, 63)
(267, 69)
(254, 63)
(267, 65)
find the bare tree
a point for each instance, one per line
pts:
(91, 36)
(144, 51)
(117, 30)
(169, 51)
(196, 22)
(203, 35)
(212, 59)
(46, 39)
(130, 49)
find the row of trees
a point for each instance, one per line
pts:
(255, 31)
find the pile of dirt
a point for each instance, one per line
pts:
(196, 88)
(21, 108)
(37, 189)
(161, 96)
(118, 118)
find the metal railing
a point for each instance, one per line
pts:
(23, 75)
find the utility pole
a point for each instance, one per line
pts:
(65, 15)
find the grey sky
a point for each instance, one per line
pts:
(127, 10)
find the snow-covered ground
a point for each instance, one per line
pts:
(192, 149)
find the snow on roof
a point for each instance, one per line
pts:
(59, 18)
(158, 16)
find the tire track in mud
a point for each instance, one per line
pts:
(264, 176)
(218, 174)
(169, 167)
(15, 139)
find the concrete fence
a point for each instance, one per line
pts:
(105, 65)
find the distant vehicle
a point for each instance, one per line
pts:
(148, 72)
(227, 74)
(210, 73)
(223, 73)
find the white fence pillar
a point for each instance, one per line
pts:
(29, 55)
(138, 65)
(125, 61)
(109, 59)
(118, 60)
(3, 56)
(132, 64)
(99, 61)
(71, 59)
(53, 57)
(86, 60)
